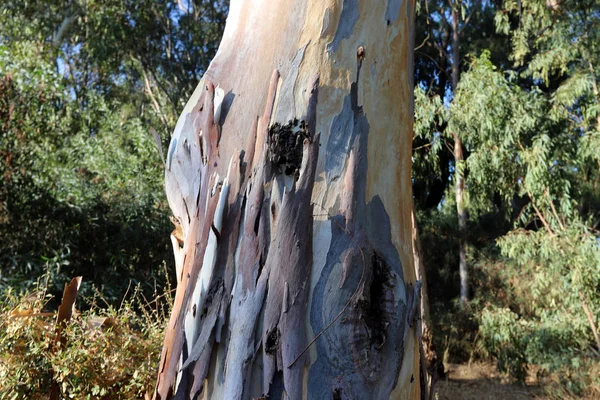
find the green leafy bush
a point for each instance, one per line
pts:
(81, 190)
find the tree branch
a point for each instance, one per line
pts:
(540, 216)
(590, 317)
(468, 19)
(554, 209)
(155, 104)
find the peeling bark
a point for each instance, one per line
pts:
(290, 188)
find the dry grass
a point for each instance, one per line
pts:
(482, 381)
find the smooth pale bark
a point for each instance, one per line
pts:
(461, 209)
(288, 175)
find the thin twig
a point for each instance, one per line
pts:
(433, 60)
(182, 8)
(155, 104)
(422, 43)
(125, 295)
(540, 216)
(428, 26)
(468, 19)
(554, 209)
(420, 147)
(590, 317)
(451, 149)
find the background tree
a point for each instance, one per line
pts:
(444, 28)
(529, 127)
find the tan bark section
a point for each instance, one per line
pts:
(246, 301)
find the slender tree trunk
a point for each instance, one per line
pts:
(428, 356)
(590, 316)
(462, 220)
(596, 92)
(458, 162)
(289, 177)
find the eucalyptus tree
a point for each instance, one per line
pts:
(534, 145)
(556, 46)
(288, 175)
(448, 33)
(96, 47)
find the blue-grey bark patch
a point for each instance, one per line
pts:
(362, 281)
(348, 18)
(345, 349)
(392, 11)
(225, 107)
(339, 141)
(277, 387)
(349, 123)
(379, 232)
(286, 109)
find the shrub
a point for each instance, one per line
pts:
(110, 353)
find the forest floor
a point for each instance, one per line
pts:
(482, 381)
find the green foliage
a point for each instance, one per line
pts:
(109, 353)
(530, 127)
(427, 143)
(83, 85)
(113, 46)
(492, 129)
(74, 177)
(562, 272)
(81, 189)
(503, 335)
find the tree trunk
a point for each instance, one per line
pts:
(290, 185)
(462, 220)
(420, 267)
(427, 352)
(458, 161)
